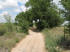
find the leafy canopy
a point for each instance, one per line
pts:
(66, 4)
(44, 10)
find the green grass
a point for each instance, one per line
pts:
(52, 37)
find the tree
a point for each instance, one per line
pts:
(23, 20)
(9, 23)
(44, 11)
(66, 4)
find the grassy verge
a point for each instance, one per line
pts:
(8, 41)
(52, 37)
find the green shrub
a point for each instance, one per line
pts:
(25, 30)
(2, 30)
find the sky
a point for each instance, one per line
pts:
(13, 7)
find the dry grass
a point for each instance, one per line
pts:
(52, 36)
(9, 40)
(57, 30)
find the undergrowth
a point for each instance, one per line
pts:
(52, 39)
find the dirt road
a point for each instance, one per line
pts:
(34, 42)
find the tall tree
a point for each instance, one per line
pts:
(9, 23)
(66, 4)
(44, 12)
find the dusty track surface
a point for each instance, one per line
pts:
(34, 42)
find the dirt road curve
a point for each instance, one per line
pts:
(32, 43)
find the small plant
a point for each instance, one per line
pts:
(17, 40)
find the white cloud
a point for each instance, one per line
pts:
(56, 1)
(12, 4)
(5, 4)
(4, 13)
(23, 8)
(17, 10)
(23, 1)
(1, 7)
(9, 3)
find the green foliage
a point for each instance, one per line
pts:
(10, 27)
(50, 40)
(60, 39)
(47, 13)
(66, 4)
(44, 10)
(2, 30)
(23, 20)
(41, 25)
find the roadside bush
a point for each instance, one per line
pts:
(23, 22)
(51, 41)
(2, 30)
(25, 30)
